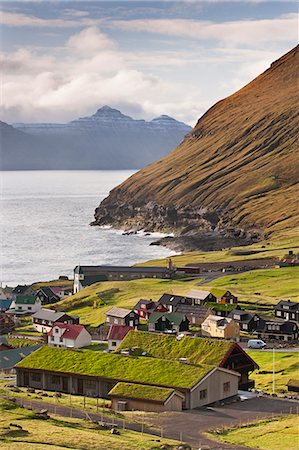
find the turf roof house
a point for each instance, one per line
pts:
(44, 319)
(87, 275)
(287, 310)
(168, 322)
(225, 297)
(96, 374)
(189, 307)
(216, 352)
(122, 316)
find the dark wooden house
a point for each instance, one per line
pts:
(168, 322)
(287, 310)
(122, 316)
(248, 322)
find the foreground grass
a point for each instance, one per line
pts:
(61, 433)
(286, 366)
(275, 434)
(266, 286)
(279, 244)
(92, 302)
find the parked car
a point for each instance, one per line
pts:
(256, 343)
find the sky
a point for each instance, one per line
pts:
(65, 59)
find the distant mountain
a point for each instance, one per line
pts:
(235, 173)
(106, 140)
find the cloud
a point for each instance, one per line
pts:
(248, 32)
(14, 19)
(91, 40)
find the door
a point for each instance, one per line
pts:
(80, 386)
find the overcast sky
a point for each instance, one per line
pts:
(63, 60)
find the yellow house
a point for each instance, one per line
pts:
(220, 327)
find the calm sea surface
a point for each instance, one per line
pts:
(44, 225)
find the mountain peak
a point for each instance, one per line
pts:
(107, 111)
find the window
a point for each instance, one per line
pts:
(36, 377)
(226, 387)
(197, 301)
(113, 343)
(116, 321)
(203, 394)
(29, 308)
(55, 379)
(278, 313)
(52, 338)
(61, 339)
(245, 326)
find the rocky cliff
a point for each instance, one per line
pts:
(235, 175)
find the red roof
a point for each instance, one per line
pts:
(118, 332)
(71, 331)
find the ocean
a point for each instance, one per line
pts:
(45, 231)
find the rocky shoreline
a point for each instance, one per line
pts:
(192, 229)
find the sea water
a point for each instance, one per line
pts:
(45, 231)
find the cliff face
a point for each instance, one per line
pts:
(235, 173)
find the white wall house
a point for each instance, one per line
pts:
(68, 336)
(27, 304)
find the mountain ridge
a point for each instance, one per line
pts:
(234, 175)
(107, 139)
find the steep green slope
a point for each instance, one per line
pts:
(236, 172)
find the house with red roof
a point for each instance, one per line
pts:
(68, 336)
(116, 334)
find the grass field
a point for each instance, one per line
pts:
(286, 366)
(278, 246)
(21, 342)
(60, 433)
(275, 434)
(265, 286)
(92, 302)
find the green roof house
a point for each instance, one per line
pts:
(168, 322)
(27, 304)
(92, 373)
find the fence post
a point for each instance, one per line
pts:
(97, 404)
(181, 436)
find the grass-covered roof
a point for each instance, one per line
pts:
(196, 350)
(141, 391)
(117, 367)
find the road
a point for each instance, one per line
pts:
(188, 426)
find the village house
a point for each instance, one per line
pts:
(9, 358)
(201, 297)
(225, 297)
(168, 322)
(44, 319)
(287, 310)
(195, 312)
(220, 327)
(27, 304)
(293, 385)
(248, 322)
(68, 336)
(144, 308)
(281, 330)
(134, 397)
(116, 334)
(7, 323)
(219, 352)
(87, 275)
(122, 316)
(47, 296)
(289, 260)
(4, 345)
(6, 292)
(96, 374)
(6, 304)
(21, 290)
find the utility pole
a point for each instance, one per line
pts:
(273, 371)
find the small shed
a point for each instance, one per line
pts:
(131, 396)
(116, 334)
(293, 385)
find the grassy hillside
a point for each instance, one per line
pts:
(274, 434)
(276, 247)
(286, 366)
(92, 302)
(265, 286)
(240, 163)
(60, 433)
